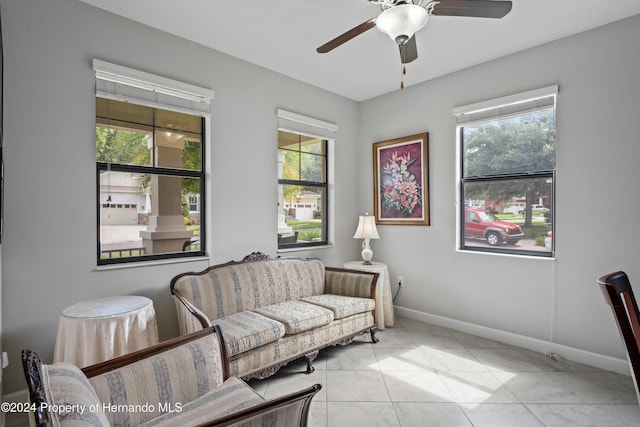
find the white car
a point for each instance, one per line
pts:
(516, 208)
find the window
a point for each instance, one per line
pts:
(150, 168)
(507, 172)
(194, 203)
(303, 180)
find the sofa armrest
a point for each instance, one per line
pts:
(291, 410)
(351, 283)
(235, 403)
(190, 318)
(64, 387)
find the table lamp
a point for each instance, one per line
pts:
(366, 230)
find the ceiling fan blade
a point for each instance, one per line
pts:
(409, 51)
(343, 38)
(473, 8)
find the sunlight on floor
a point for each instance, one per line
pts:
(476, 386)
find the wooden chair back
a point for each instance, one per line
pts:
(618, 293)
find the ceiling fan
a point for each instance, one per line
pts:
(400, 19)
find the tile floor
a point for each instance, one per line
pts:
(425, 375)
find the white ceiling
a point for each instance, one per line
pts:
(282, 35)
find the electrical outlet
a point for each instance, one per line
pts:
(400, 281)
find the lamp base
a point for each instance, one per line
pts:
(367, 255)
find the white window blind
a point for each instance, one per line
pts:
(297, 123)
(506, 106)
(126, 84)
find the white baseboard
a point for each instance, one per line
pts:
(600, 361)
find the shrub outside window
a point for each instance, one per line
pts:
(507, 174)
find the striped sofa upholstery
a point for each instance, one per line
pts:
(274, 310)
(178, 382)
(172, 377)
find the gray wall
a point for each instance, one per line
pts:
(48, 248)
(598, 147)
(49, 243)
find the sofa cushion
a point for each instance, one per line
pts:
(66, 385)
(232, 396)
(247, 330)
(253, 363)
(342, 306)
(297, 316)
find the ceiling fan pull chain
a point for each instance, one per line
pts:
(403, 71)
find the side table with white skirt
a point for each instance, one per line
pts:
(384, 302)
(101, 329)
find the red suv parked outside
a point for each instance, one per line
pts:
(481, 224)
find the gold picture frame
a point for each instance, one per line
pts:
(401, 180)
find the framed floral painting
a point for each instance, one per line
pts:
(401, 180)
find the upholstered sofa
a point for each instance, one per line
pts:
(274, 310)
(180, 382)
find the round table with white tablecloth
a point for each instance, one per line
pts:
(384, 302)
(101, 329)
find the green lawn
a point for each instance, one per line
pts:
(308, 230)
(298, 224)
(537, 231)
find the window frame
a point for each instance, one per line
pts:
(326, 132)
(322, 185)
(496, 109)
(118, 83)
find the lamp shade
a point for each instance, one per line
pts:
(402, 21)
(366, 228)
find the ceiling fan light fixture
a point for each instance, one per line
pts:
(401, 22)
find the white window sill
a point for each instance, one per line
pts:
(502, 254)
(151, 263)
(304, 249)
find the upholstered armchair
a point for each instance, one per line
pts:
(178, 382)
